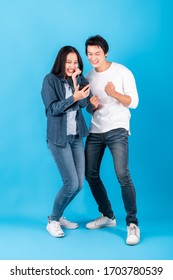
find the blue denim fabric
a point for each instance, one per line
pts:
(117, 142)
(56, 107)
(71, 165)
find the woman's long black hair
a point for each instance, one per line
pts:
(58, 68)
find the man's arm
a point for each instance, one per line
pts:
(129, 95)
(122, 98)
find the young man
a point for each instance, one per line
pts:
(114, 92)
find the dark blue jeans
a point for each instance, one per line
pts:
(117, 142)
(71, 165)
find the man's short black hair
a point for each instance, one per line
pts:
(97, 40)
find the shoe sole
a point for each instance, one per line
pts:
(59, 236)
(66, 227)
(97, 227)
(132, 244)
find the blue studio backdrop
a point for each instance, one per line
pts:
(139, 36)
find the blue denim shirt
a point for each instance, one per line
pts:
(56, 106)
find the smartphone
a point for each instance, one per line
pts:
(83, 84)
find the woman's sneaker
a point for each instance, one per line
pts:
(67, 224)
(101, 222)
(133, 234)
(54, 228)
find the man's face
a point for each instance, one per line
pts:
(96, 56)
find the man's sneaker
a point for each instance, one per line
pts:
(101, 222)
(67, 224)
(133, 234)
(54, 228)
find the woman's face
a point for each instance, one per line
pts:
(71, 64)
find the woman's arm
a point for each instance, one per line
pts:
(52, 102)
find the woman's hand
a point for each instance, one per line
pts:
(74, 75)
(81, 94)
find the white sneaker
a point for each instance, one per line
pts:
(67, 224)
(54, 228)
(101, 222)
(133, 234)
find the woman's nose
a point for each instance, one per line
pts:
(72, 66)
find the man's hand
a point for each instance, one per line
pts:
(94, 102)
(122, 98)
(110, 89)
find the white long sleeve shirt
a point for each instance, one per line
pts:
(111, 113)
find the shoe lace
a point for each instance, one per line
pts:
(133, 230)
(57, 225)
(99, 220)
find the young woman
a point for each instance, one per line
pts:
(64, 92)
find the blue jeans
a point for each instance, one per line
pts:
(71, 165)
(117, 142)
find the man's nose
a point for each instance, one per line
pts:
(93, 58)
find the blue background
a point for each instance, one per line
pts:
(139, 35)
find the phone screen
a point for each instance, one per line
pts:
(83, 84)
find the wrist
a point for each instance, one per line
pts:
(75, 98)
(115, 94)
